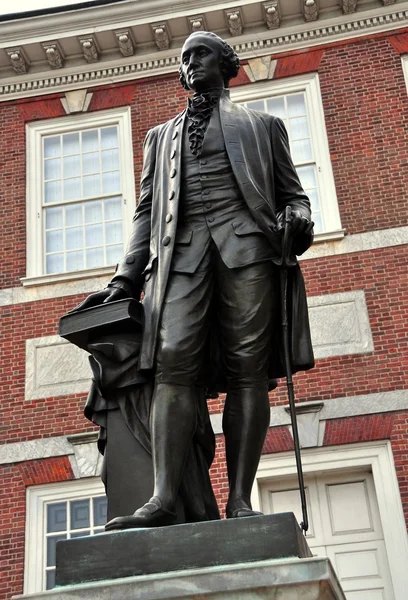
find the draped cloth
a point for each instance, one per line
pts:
(117, 383)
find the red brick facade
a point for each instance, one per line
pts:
(365, 103)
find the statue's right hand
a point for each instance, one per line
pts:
(109, 294)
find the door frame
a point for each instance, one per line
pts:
(379, 458)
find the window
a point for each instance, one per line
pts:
(405, 67)
(297, 101)
(80, 193)
(58, 512)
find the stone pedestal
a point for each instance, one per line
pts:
(286, 579)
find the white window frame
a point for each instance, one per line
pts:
(34, 134)
(36, 501)
(376, 456)
(404, 60)
(310, 85)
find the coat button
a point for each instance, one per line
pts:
(173, 173)
(172, 194)
(208, 205)
(211, 219)
(130, 260)
(173, 154)
(166, 240)
(175, 134)
(147, 277)
(206, 192)
(168, 218)
(203, 162)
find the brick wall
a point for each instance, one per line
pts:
(365, 102)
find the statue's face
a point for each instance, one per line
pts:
(200, 63)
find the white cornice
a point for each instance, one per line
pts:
(157, 63)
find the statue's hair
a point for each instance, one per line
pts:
(229, 63)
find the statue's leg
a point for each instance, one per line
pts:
(247, 308)
(180, 351)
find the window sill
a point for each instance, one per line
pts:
(329, 236)
(62, 277)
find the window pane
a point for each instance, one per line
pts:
(113, 232)
(307, 176)
(90, 163)
(276, 107)
(75, 261)
(94, 258)
(299, 128)
(73, 215)
(110, 159)
(50, 579)
(93, 235)
(55, 264)
(314, 201)
(52, 191)
(92, 185)
(70, 143)
(113, 208)
(74, 238)
(109, 137)
(54, 241)
(296, 105)
(52, 168)
(53, 217)
(93, 212)
(256, 105)
(72, 166)
(72, 189)
(90, 141)
(317, 218)
(114, 254)
(52, 146)
(110, 182)
(301, 151)
(80, 514)
(100, 507)
(51, 548)
(56, 517)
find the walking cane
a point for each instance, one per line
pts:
(286, 264)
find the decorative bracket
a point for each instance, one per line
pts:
(89, 48)
(125, 42)
(161, 36)
(349, 6)
(197, 23)
(18, 60)
(54, 54)
(272, 14)
(310, 10)
(234, 22)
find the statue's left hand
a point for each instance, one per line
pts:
(109, 294)
(299, 223)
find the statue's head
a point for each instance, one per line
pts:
(207, 62)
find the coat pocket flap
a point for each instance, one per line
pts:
(184, 237)
(245, 227)
(150, 264)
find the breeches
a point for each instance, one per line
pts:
(239, 306)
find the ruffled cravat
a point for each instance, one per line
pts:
(199, 113)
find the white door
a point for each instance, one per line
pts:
(344, 525)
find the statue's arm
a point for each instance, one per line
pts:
(288, 189)
(129, 271)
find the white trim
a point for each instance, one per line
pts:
(37, 497)
(404, 60)
(310, 85)
(34, 132)
(251, 45)
(379, 458)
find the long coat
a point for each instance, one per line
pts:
(258, 149)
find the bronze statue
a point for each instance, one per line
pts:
(205, 248)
